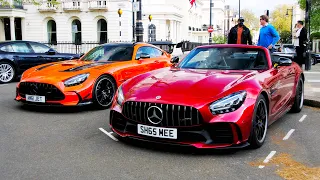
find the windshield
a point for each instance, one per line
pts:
(225, 58)
(109, 53)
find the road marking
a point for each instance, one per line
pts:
(302, 118)
(313, 81)
(288, 134)
(108, 134)
(271, 154)
(311, 72)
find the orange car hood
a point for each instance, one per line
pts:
(60, 71)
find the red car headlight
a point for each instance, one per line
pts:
(229, 103)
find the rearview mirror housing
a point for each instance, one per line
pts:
(175, 60)
(144, 56)
(51, 52)
(283, 61)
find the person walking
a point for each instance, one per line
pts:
(268, 36)
(240, 34)
(300, 43)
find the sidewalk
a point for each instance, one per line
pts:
(312, 86)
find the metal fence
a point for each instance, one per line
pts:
(83, 47)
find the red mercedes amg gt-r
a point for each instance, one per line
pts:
(218, 96)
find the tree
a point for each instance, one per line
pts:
(250, 19)
(219, 39)
(314, 13)
(280, 20)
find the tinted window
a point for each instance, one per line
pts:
(157, 52)
(39, 48)
(145, 50)
(225, 59)
(109, 53)
(21, 48)
(7, 48)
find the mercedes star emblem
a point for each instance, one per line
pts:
(154, 114)
(158, 97)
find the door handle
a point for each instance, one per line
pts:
(156, 61)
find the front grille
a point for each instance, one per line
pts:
(173, 115)
(51, 92)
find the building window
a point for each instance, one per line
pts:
(152, 33)
(76, 31)
(102, 31)
(52, 32)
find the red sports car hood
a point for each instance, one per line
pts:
(180, 85)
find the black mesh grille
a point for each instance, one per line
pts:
(51, 92)
(173, 115)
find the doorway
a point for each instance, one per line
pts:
(17, 29)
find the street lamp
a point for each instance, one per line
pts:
(210, 24)
(239, 10)
(287, 14)
(139, 25)
(120, 13)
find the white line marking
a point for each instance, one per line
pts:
(109, 134)
(310, 72)
(272, 153)
(288, 134)
(302, 118)
(313, 81)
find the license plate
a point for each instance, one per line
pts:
(33, 98)
(168, 133)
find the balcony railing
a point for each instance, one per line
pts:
(98, 4)
(11, 4)
(72, 5)
(47, 6)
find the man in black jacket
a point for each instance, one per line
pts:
(240, 34)
(301, 43)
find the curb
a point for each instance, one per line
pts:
(312, 103)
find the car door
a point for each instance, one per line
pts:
(42, 52)
(24, 56)
(161, 60)
(281, 88)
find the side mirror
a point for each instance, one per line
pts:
(175, 60)
(283, 61)
(51, 52)
(82, 54)
(144, 56)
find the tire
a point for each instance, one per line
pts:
(7, 72)
(259, 123)
(298, 99)
(313, 61)
(100, 95)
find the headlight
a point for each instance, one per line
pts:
(76, 80)
(229, 103)
(120, 97)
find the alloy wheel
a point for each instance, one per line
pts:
(6, 72)
(261, 120)
(104, 92)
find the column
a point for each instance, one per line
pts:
(171, 31)
(2, 34)
(12, 29)
(23, 28)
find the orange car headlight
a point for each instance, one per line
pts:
(76, 80)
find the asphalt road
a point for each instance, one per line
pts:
(66, 143)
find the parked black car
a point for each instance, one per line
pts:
(290, 49)
(18, 56)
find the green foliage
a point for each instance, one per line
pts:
(280, 20)
(314, 13)
(285, 37)
(315, 35)
(219, 39)
(250, 19)
(6, 3)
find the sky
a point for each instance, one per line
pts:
(258, 6)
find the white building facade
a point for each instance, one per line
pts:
(79, 21)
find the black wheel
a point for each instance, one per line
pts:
(104, 91)
(7, 72)
(259, 123)
(299, 98)
(313, 61)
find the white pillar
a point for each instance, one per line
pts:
(2, 34)
(171, 31)
(23, 28)
(12, 29)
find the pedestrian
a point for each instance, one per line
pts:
(300, 43)
(240, 34)
(268, 36)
